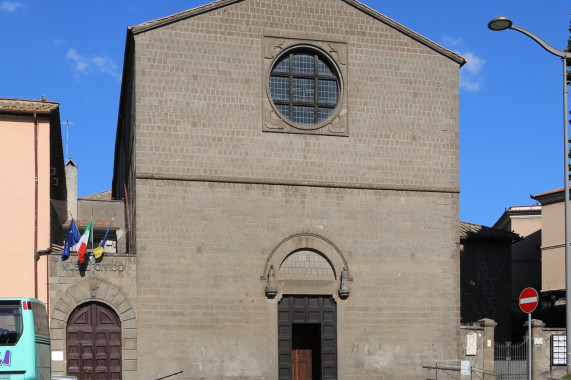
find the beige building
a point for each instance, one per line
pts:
(552, 244)
(31, 153)
(526, 263)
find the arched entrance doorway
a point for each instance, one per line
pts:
(94, 343)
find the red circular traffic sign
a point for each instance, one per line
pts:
(528, 300)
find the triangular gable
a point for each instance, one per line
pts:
(354, 3)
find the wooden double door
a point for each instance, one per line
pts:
(94, 343)
(307, 338)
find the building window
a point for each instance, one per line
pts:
(305, 86)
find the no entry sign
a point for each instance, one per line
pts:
(528, 300)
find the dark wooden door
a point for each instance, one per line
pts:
(94, 343)
(301, 366)
(307, 338)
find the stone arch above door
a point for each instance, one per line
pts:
(323, 277)
(98, 290)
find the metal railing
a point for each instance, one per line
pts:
(456, 372)
(172, 374)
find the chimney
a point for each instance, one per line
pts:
(71, 184)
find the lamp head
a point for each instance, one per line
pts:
(500, 23)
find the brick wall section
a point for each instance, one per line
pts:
(203, 246)
(305, 265)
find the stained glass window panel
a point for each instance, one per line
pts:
(284, 110)
(328, 92)
(323, 69)
(303, 63)
(282, 66)
(279, 88)
(324, 113)
(303, 90)
(304, 115)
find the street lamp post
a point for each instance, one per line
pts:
(503, 23)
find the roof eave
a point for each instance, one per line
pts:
(149, 25)
(410, 33)
(144, 27)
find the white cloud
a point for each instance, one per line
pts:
(9, 6)
(106, 65)
(85, 65)
(450, 41)
(470, 77)
(80, 62)
(474, 64)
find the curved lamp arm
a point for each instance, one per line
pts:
(545, 45)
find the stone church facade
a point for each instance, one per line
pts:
(291, 171)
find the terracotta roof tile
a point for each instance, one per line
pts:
(477, 231)
(524, 209)
(27, 105)
(549, 192)
(101, 196)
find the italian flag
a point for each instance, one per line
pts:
(87, 237)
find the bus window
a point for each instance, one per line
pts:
(10, 324)
(40, 320)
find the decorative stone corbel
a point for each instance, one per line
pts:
(271, 286)
(343, 287)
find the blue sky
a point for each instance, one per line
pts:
(511, 112)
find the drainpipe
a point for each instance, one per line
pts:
(35, 203)
(45, 252)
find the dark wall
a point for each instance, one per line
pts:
(485, 283)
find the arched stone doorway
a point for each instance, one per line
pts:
(307, 279)
(93, 342)
(100, 291)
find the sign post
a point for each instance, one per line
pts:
(528, 300)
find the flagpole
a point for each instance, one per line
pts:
(91, 257)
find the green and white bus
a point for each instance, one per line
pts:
(24, 340)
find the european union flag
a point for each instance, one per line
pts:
(71, 239)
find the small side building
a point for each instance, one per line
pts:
(485, 276)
